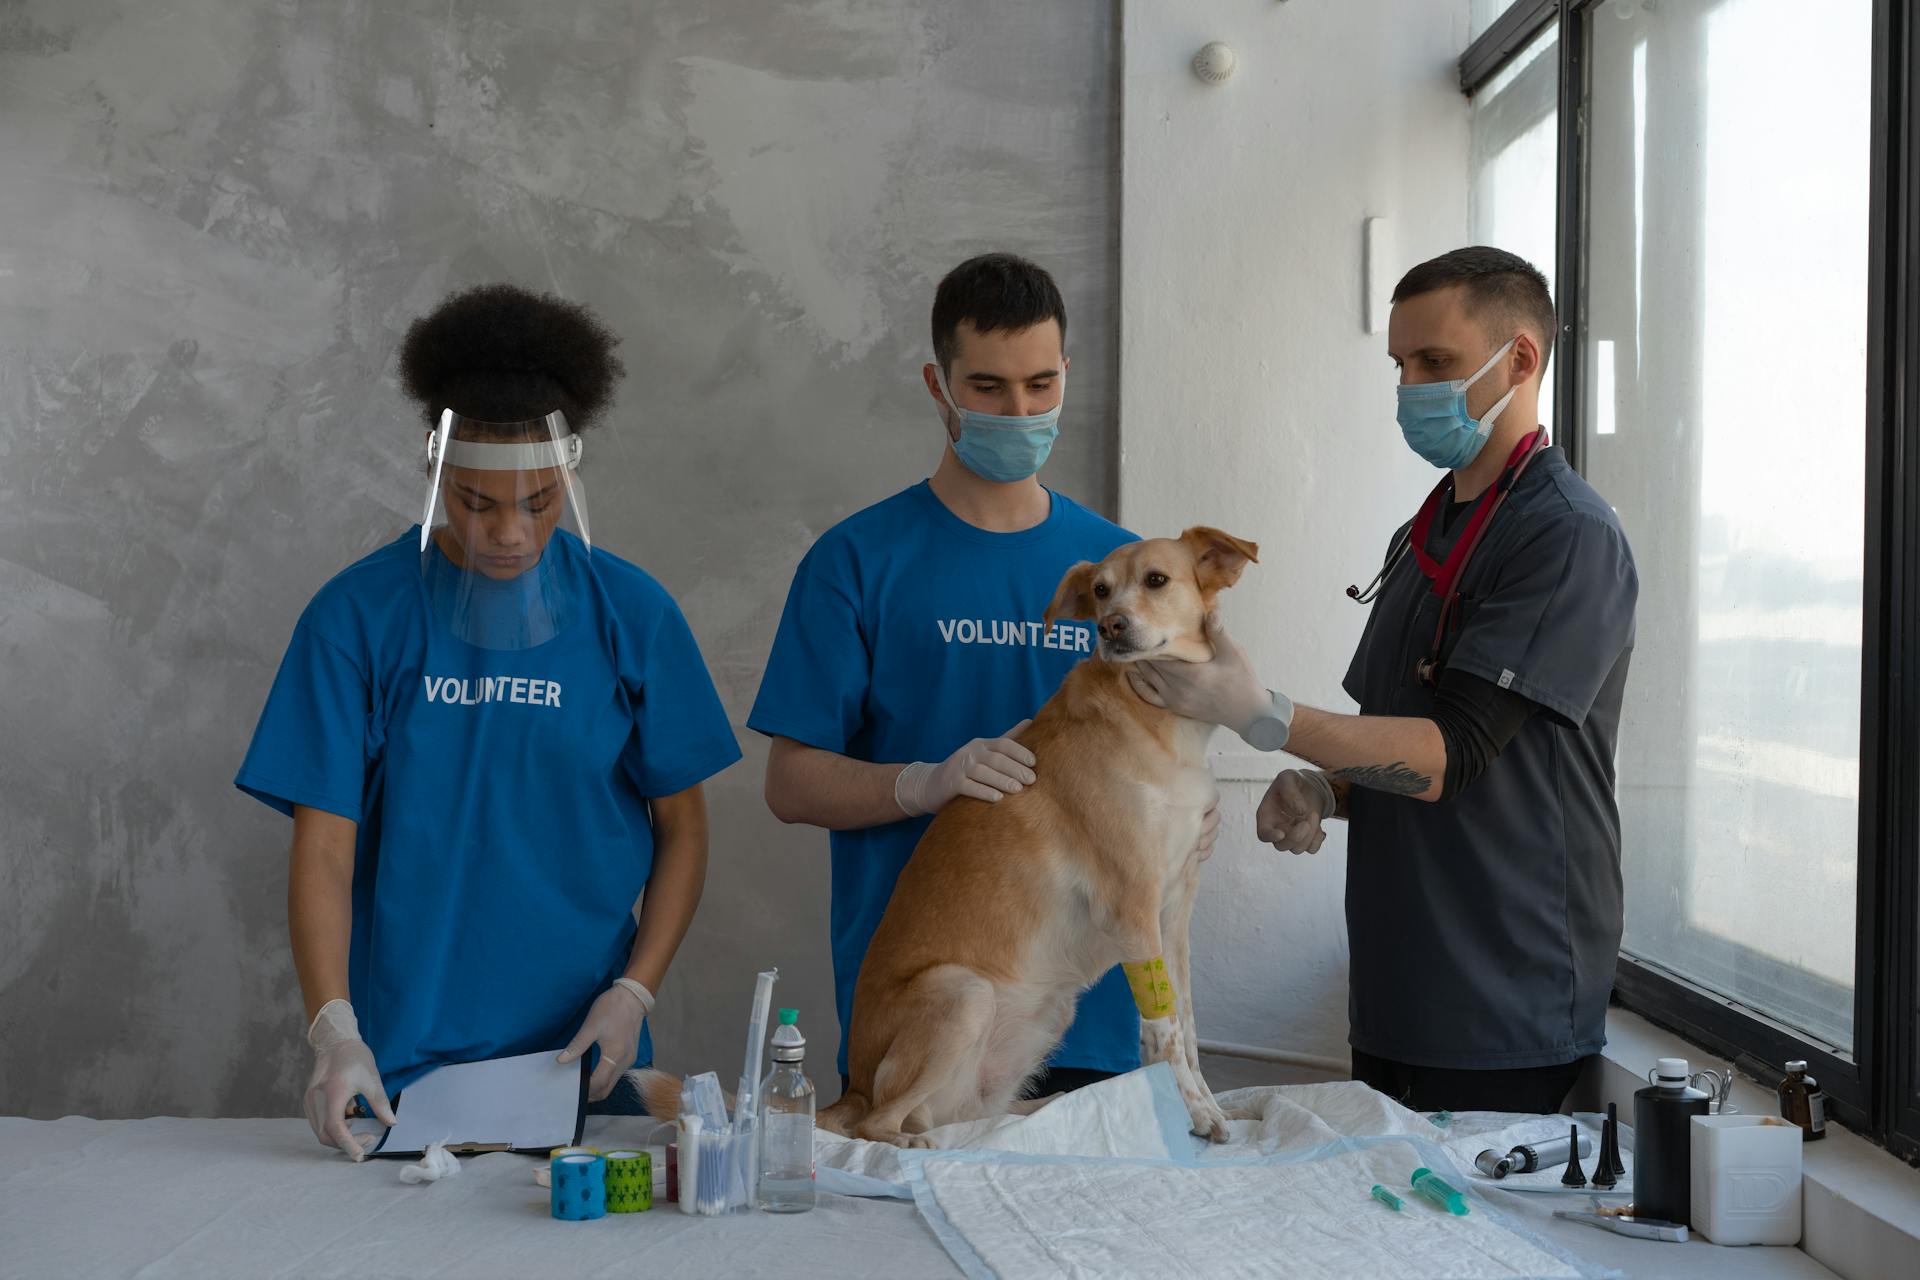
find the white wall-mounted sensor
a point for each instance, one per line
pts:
(1377, 279)
(1215, 63)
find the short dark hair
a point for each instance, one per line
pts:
(500, 353)
(1503, 290)
(994, 291)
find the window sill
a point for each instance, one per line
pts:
(1861, 1205)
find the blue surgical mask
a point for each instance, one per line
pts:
(1433, 417)
(1004, 449)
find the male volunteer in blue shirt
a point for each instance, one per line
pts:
(1483, 854)
(912, 636)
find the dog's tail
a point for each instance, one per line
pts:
(844, 1114)
(660, 1092)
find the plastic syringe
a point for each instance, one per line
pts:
(1429, 1185)
(749, 1094)
(746, 1102)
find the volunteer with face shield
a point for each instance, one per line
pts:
(912, 638)
(491, 735)
(1483, 873)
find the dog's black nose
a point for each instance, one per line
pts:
(1114, 627)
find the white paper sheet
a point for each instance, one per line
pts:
(530, 1102)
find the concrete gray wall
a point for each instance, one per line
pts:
(218, 220)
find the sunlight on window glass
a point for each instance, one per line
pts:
(1727, 305)
(1513, 162)
(1486, 13)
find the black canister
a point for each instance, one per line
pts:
(1663, 1113)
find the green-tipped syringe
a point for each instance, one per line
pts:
(1431, 1186)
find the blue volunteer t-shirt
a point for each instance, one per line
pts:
(909, 632)
(504, 831)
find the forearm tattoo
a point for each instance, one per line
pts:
(1394, 779)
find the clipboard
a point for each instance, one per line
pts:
(527, 1103)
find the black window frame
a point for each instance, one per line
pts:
(1875, 1089)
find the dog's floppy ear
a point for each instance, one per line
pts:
(1073, 598)
(1218, 557)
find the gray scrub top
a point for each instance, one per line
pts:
(1484, 927)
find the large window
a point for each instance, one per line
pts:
(1726, 345)
(1731, 222)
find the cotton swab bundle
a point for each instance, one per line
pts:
(716, 1172)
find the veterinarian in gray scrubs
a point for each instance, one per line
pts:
(1483, 876)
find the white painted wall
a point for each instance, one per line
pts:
(1253, 399)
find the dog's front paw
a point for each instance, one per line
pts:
(1209, 1121)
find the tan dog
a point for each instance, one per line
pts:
(1008, 911)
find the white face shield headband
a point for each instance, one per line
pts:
(504, 528)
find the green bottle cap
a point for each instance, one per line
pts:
(789, 1016)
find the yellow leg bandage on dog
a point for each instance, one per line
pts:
(1152, 988)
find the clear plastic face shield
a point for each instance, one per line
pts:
(504, 538)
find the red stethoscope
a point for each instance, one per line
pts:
(1446, 577)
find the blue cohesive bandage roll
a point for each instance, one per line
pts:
(579, 1190)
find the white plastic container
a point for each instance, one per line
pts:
(1746, 1180)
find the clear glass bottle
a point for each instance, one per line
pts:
(786, 1124)
(1804, 1102)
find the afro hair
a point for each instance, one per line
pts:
(500, 353)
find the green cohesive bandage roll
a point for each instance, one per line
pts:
(629, 1182)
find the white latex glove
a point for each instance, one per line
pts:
(1209, 831)
(986, 769)
(613, 1023)
(1292, 812)
(342, 1067)
(1224, 692)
